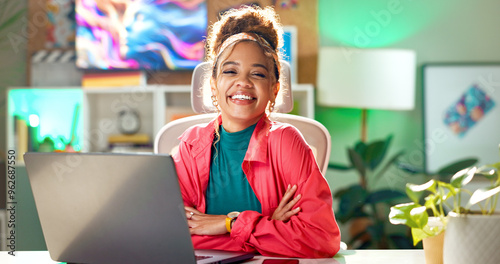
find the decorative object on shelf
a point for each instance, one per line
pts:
(129, 121)
(70, 144)
(45, 62)
(461, 107)
(469, 234)
(366, 79)
(44, 120)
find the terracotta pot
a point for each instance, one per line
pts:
(472, 239)
(357, 226)
(433, 249)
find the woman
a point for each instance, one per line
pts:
(243, 162)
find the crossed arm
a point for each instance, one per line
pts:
(205, 224)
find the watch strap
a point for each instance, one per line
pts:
(229, 225)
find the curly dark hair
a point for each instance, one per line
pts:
(248, 19)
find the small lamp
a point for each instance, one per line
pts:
(366, 79)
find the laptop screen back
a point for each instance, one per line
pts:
(110, 208)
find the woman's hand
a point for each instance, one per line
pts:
(285, 208)
(204, 224)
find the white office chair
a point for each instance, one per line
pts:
(315, 134)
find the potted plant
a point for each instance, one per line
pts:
(467, 231)
(362, 205)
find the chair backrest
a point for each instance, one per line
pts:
(315, 134)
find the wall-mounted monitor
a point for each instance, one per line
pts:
(152, 35)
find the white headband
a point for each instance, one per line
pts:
(243, 36)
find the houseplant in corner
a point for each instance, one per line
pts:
(468, 238)
(362, 205)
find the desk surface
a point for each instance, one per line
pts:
(344, 257)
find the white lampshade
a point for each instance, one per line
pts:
(366, 78)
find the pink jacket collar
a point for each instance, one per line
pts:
(257, 148)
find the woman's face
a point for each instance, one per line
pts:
(244, 85)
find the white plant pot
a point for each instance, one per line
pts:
(472, 239)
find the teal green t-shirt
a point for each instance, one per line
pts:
(228, 188)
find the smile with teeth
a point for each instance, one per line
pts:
(241, 97)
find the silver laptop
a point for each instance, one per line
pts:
(114, 208)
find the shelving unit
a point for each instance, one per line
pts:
(156, 105)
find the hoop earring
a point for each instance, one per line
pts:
(271, 107)
(215, 103)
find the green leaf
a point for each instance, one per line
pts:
(428, 231)
(418, 235)
(415, 191)
(336, 166)
(482, 194)
(377, 151)
(410, 214)
(419, 216)
(490, 172)
(452, 168)
(357, 162)
(374, 154)
(376, 231)
(360, 148)
(406, 167)
(388, 164)
(384, 196)
(432, 200)
(452, 190)
(463, 177)
(351, 202)
(11, 20)
(496, 166)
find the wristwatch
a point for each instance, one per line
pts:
(230, 219)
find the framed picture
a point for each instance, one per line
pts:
(290, 50)
(461, 113)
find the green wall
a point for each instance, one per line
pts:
(439, 31)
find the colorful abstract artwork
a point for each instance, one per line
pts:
(140, 34)
(461, 113)
(472, 106)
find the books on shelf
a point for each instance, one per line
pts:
(21, 137)
(175, 112)
(140, 139)
(113, 79)
(136, 143)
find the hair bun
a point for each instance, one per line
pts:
(248, 19)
